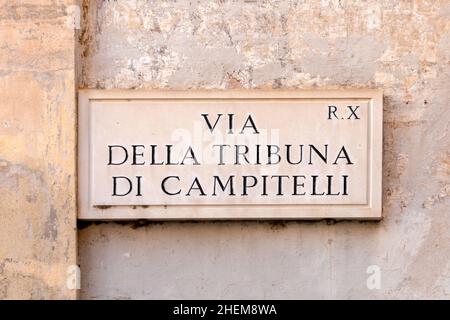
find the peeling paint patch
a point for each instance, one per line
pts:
(440, 197)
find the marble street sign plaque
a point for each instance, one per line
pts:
(230, 154)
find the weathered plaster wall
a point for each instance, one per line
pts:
(37, 150)
(400, 46)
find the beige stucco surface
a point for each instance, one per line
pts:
(400, 46)
(37, 150)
